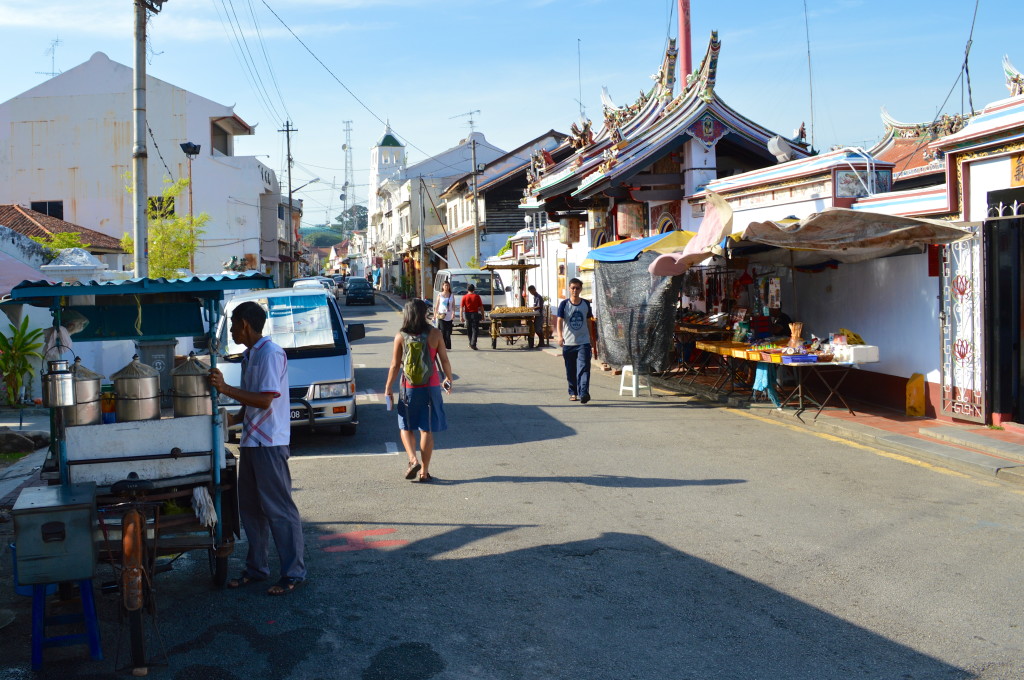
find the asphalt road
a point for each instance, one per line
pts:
(629, 538)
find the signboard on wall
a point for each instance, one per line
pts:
(629, 220)
(1017, 170)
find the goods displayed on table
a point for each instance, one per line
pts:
(513, 310)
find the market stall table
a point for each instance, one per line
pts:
(824, 370)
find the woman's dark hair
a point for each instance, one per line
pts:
(252, 314)
(414, 317)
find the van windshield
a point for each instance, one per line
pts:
(294, 322)
(482, 283)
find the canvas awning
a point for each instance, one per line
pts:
(628, 250)
(844, 235)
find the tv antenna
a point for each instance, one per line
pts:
(51, 51)
(468, 113)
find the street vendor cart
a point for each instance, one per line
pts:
(161, 485)
(511, 323)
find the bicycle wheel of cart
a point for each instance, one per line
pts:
(133, 583)
(218, 568)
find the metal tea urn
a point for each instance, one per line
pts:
(58, 385)
(86, 410)
(137, 389)
(191, 389)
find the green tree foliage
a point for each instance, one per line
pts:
(55, 243)
(15, 352)
(173, 238)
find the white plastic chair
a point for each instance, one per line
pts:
(635, 384)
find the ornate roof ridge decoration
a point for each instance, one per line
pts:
(615, 117)
(940, 127)
(1014, 78)
(700, 83)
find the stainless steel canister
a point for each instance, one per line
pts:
(137, 389)
(86, 410)
(191, 389)
(58, 385)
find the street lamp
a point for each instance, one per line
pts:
(191, 151)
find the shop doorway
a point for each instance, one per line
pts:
(1004, 301)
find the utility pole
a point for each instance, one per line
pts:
(346, 189)
(423, 243)
(288, 130)
(476, 211)
(140, 157)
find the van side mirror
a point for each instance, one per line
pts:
(355, 331)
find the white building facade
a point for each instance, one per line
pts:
(66, 145)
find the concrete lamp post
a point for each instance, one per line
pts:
(191, 151)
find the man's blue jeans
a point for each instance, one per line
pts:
(577, 368)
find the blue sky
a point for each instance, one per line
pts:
(419, 64)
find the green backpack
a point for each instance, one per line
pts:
(417, 367)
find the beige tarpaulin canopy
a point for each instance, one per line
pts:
(845, 235)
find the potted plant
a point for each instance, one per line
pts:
(15, 352)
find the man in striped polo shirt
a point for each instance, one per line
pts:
(265, 503)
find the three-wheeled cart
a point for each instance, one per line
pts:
(146, 473)
(516, 324)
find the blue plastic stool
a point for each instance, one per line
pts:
(91, 636)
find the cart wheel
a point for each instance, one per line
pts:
(137, 637)
(494, 343)
(220, 569)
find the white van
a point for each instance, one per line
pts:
(481, 280)
(307, 323)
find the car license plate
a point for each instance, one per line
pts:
(298, 414)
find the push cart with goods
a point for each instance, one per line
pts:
(512, 323)
(163, 486)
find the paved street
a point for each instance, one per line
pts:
(628, 538)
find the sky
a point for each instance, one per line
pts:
(523, 67)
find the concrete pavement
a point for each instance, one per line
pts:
(971, 449)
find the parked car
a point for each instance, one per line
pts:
(309, 283)
(340, 280)
(308, 324)
(359, 290)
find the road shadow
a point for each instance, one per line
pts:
(618, 605)
(609, 481)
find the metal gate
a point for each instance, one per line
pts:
(962, 328)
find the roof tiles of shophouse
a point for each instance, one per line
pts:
(31, 223)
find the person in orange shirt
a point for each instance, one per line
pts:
(471, 310)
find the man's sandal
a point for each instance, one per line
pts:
(242, 581)
(284, 586)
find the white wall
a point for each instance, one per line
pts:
(890, 302)
(70, 139)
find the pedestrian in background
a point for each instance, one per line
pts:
(471, 310)
(265, 503)
(577, 335)
(444, 313)
(537, 302)
(417, 351)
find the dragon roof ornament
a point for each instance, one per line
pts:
(940, 127)
(1014, 79)
(664, 84)
(701, 83)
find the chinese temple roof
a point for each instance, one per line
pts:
(907, 145)
(634, 137)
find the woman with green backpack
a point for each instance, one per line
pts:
(419, 349)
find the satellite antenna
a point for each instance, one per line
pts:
(51, 51)
(468, 113)
(780, 148)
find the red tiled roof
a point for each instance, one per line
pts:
(31, 223)
(907, 154)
